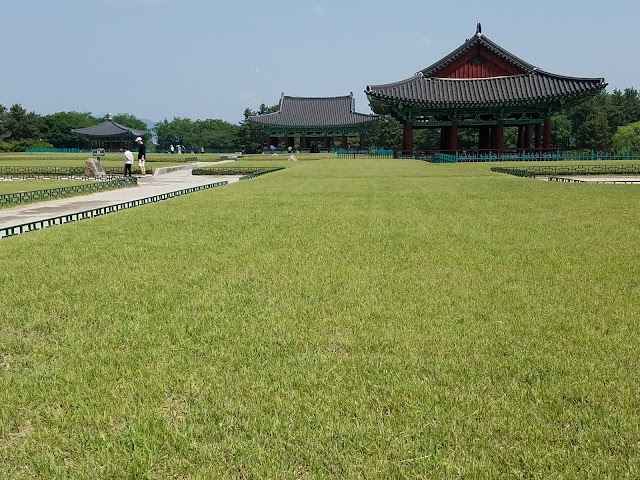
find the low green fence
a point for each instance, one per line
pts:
(13, 230)
(43, 171)
(54, 193)
(342, 153)
(119, 170)
(556, 156)
(173, 159)
(53, 150)
(245, 172)
(546, 170)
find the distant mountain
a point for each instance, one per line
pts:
(150, 124)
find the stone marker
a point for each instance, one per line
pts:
(90, 169)
(99, 167)
(292, 158)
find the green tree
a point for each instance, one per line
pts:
(175, 132)
(561, 131)
(214, 134)
(386, 134)
(627, 138)
(4, 130)
(594, 134)
(426, 139)
(252, 136)
(56, 129)
(21, 125)
(129, 120)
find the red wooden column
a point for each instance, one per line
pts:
(538, 136)
(344, 145)
(361, 142)
(407, 139)
(527, 137)
(327, 142)
(453, 137)
(546, 134)
(273, 141)
(497, 136)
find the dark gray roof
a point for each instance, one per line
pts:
(536, 87)
(314, 112)
(109, 128)
(531, 86)
(478, 40)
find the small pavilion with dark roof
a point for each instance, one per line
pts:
(314, 119)
(107, 133)
(481, 85)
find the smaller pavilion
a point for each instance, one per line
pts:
(315, 121)
(110, 133)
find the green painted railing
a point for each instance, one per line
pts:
(342, 153)
(53, 193)
(96, 212)
(53, 150)
(523, 156)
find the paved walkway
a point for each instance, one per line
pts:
(164, 180)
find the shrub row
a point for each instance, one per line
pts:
(569, 170)
(246, 172)
(48, 170)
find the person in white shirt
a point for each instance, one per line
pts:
(128, 160)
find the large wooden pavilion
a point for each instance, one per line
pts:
(110, 133)
(315, 121)
(481, 85)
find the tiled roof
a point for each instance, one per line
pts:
(535, 87)
(109, 128)
(478, 40)
(314, 112)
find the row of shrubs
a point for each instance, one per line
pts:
(532, 171)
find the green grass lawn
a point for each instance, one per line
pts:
(339, 319)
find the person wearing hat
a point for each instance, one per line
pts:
(142, 154)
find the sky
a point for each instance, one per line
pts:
(201, 59)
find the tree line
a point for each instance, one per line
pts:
(607, 121)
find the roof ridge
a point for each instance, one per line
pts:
(483, 40)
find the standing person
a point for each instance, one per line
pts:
(172, 150)
(128, 160)
(142, 155)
